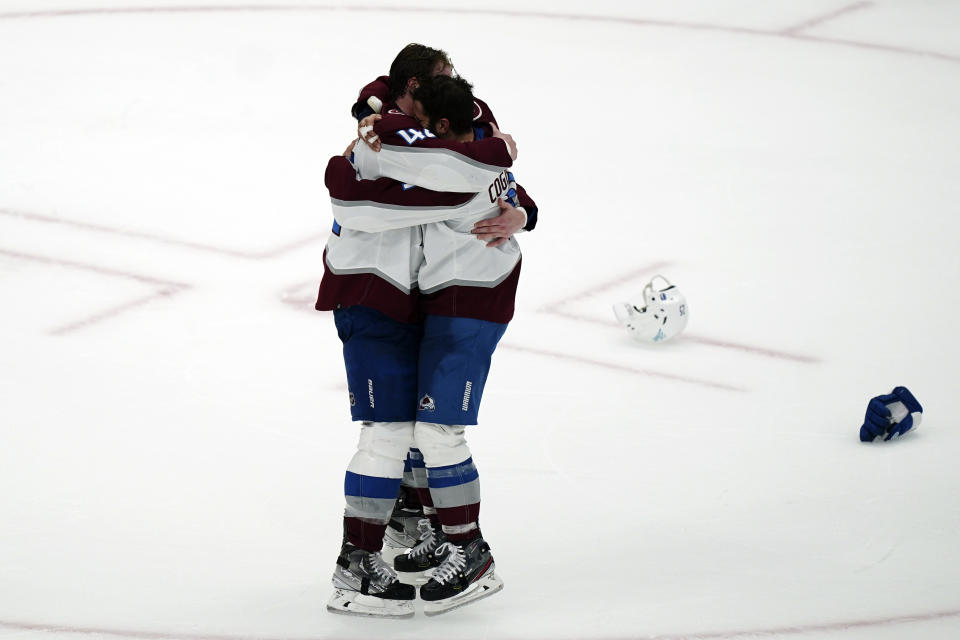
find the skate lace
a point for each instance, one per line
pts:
(380, 568)
(428, 539)
(451, 566)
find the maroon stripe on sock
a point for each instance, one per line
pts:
(458, 517)
(364, 534)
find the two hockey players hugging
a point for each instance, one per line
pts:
(421, 272)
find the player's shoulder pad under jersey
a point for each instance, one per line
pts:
(340, 176)
(482, 112)
(379, 88)
(393, 122)
(393, 119)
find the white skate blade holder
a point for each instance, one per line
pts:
(485, 586)
(352, 603)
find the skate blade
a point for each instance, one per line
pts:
(485, 586)
(351, 603)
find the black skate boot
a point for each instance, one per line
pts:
(465, 576)
(402, 532)
(364, 585)
(423, 556)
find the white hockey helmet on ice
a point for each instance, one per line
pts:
(663, 315)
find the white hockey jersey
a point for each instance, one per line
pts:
(452, 255)
(392, 238)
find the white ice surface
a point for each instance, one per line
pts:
(173, 414)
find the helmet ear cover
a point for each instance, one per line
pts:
(663, 315)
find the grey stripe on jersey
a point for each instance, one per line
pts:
(402, 207)
(372, 217)
(471, 283)
(447, 152)
(372, 270)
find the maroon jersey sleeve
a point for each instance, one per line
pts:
(483, 117)
(379, 88)
(340, 179)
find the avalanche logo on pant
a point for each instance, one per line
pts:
(427, 404)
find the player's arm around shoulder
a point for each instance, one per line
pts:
(340, 177)
(373, 94)
(518, 212)
(406, 133)
(412, 154)
(344, 184)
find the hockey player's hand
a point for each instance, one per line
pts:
(365, 131)
(496, 231)
(891, 415)
(506, 137)
(349, 150)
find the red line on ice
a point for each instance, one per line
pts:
(90, 267)
(620, 367)
(615, 20)
(130, 233)
(802, 629)
(815, 22)
(594, 289)
(711, 342)
(556, 308)
(114, 311)
(732, 634)
(161, 288)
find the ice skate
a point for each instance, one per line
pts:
(402, 532)
(465, 576)
(423, 556)
(364, 585)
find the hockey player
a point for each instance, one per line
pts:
(412, 65)
(370, 282)
(467, 297)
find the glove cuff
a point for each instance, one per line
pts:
(903, 395)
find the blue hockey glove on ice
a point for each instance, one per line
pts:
(891, 415)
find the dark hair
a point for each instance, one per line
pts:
(414, 61)
(447, 97)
